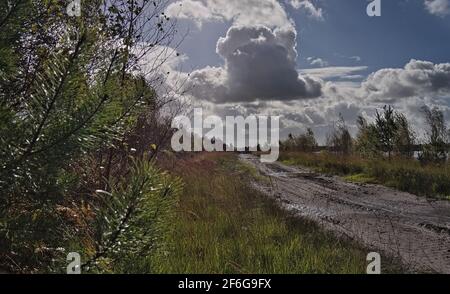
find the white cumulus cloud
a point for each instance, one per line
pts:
(418, 78)
(308, 7)
(249, 12)
(317, 62)
(438, 7)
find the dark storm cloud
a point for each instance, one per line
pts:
(260, 64)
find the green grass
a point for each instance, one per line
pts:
(251, 171)
(360, 178)
(223, 226)
(403, 174)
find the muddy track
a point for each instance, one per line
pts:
(414, 229)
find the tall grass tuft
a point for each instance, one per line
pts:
(223, 226)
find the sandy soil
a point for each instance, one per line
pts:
(414, 229)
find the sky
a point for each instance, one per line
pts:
(310, 60)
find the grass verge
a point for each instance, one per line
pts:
(223, 226)
(402, 174)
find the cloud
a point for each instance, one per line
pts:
(418, 83)
(161, 66)
(359, 99)
(317, 62)
(259, 52)
(438, 7)
(328, 73)
(308, 7)
(193, 10)
(269, 13)
(260, 71)
(260, 64)
(355, 58)
(417, 78)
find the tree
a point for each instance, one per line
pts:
(404, 137)
(70, 88)
(390, 133)
(305, 142)
(340, 139)
(366, 139)
(308, 140)
(437, 136)
(386, 130)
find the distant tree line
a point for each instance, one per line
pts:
(390, 134)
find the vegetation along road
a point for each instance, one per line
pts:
(414, 229)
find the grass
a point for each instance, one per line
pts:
(403, 174)
(360, 178)
(250, 171)
(223, 226)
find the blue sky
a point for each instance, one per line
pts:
(405, 31)
(309, 60)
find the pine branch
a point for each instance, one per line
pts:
(86, 120)
(47, 112)
(10, 13)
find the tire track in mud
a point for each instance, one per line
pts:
(411, 228)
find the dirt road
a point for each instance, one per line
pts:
(403, 225)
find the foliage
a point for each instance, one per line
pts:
(366, 139)
(401, 173)
(437, 137)
(133, 219)
(390, 133)
(304, 142)
(386, 129)
(404, 137)
(70, 87)
(340, 139)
